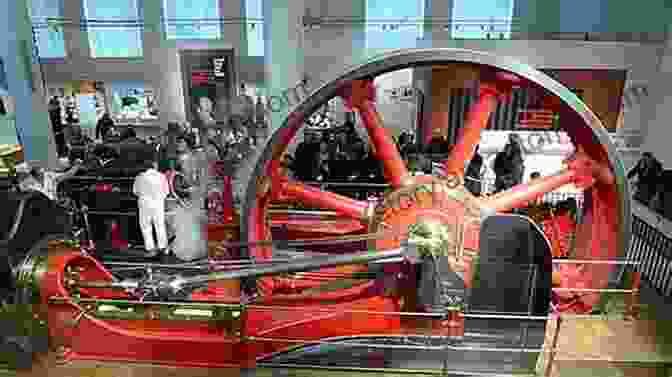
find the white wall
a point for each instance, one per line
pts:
(330, 49)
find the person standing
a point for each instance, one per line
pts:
(473, 174)
(647, 170)
(49, 180)
(151, 188)
(168, 151)
(105, 123)
(57, 126)
(509, 167)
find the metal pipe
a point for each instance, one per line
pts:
(579, 261)
(593, 290)
(302, 212)
(349, 184)
(300, 265)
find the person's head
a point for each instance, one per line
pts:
(514, 138)
(150, 164)
(76, 129)
(182, 145)
(647, 157)
(53, 104)
(567, 206)
(113, 132)
(535, 175)
(37, 173)
(129, 133)
(173, 126)
(404, 138)
(204, 104)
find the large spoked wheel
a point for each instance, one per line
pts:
(443, 202)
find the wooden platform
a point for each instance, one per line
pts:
(604, 347)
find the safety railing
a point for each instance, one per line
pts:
(462, 336)
(653, 249)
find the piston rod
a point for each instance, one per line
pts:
(300, 265)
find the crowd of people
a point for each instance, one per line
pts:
(337, 154)
(327, 155)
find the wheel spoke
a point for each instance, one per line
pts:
(315, 223)
(470, 135)
(360, 95)
(315, 197)
(520, 195)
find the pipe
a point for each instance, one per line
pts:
(300, 265)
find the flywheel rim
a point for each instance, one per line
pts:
(396, 60)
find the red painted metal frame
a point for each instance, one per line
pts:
(199, 343)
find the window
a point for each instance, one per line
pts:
(114, 28)
(255, 27)
(482, 19)
(394, 24)
(49, 40)
(192, 19)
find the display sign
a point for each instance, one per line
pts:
(206, 73)
(219, 67)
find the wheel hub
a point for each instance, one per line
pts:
(439, 214)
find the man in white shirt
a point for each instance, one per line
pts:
(151, 188)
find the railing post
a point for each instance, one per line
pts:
(632, 311)
(554, 345)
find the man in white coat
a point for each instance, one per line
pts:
(151, 188)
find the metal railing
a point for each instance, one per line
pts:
(653, 249)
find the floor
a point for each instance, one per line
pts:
(595, 347)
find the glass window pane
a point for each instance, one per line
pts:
(192, 19)
(49, 40)
(482, 19)
(114, 28)
(255, 27)
(393, 25)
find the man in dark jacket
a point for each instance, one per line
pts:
(57, 126)
(473, 174)
(105, 123)
(305, 158)
(647, 170)
(168, 153)
(509, 165)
